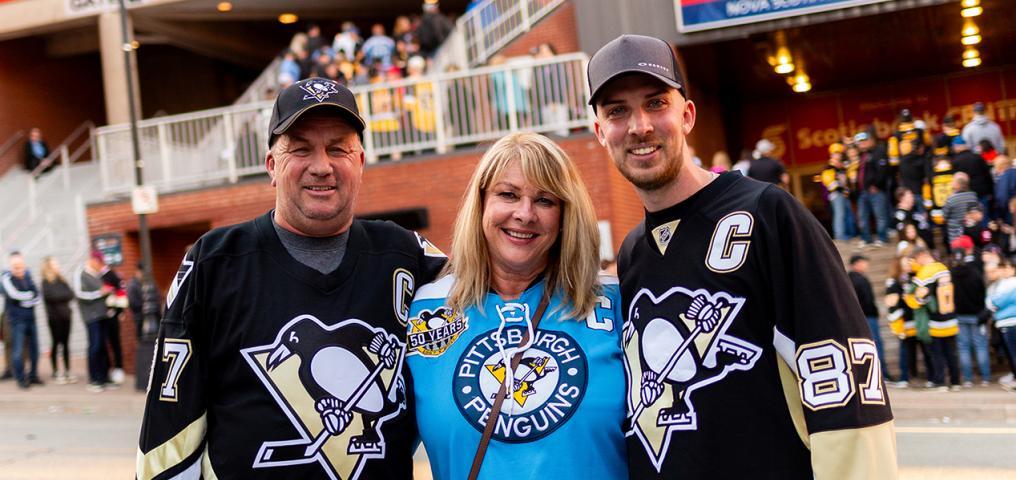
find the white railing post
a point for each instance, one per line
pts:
(368, 134)
(82, 221)
(103, 161)
(524, 5)
(590, 113)
(164, 155)
(230, 146)
(439, 118)
(509, 84)
(479, 37)
(32, 207)
(65, 166)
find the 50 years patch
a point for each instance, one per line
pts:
(434, 331)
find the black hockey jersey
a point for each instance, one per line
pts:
(745, 345)
(267, 368)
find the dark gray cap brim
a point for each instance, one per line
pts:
(667, 81)
(355, 121)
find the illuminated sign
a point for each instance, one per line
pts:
(696, 15)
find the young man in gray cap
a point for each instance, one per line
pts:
(280, 355)
(747, 354)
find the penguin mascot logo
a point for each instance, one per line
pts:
(674, 345)
(337, 384)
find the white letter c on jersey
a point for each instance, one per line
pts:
(729, 246)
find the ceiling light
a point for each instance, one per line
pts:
(971, 12)
(135, 44)
(224, 6)
(971, 52)
(800, 83)
(972, 62)
(970, 3)
(971, 40)
(287, 18)
(801, 87)
(970, 28)
(784, 68)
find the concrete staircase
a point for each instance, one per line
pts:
(879, 259)
(53, 224)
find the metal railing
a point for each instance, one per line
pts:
(432, 113)
(11, 142)
(264, 87)
(490, 25)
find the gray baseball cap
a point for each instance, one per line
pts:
(633, 54)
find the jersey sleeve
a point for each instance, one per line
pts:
(174, 424)
(830, 369)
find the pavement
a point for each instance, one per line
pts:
(65, 431)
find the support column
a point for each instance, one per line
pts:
(114, 82)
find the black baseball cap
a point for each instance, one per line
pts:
(633, 54)
(310, 93)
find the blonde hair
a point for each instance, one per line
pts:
(574, 258)
(48, 272)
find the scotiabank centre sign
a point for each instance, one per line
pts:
(802, 128)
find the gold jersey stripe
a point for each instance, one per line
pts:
(173, 451)
(857, 453)
(788, 380)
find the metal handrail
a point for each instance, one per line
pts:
(13, 140)
(269, 78)
(491, 25)
(430, 113)
(86, 126)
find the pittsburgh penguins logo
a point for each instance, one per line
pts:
(337, 384)
(675, 344)
(433, 332)
(546, 388)
(319, 89)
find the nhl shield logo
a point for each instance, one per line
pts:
(337, 384)
(318, 89)
(674, 345)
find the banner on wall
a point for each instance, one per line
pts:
(697, 15)
(802, 128)
(92, 7)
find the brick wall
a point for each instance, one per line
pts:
(434, 183)
(558, 28)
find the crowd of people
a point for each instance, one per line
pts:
(952, 200)
(354, 59)
(101, 296)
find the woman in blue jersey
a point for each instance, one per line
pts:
(526, 230)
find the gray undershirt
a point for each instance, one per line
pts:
(323, 254)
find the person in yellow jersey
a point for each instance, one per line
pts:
(901, 316)
(834, 179)
(933, 297)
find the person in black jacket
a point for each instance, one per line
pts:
(36, 150)
(145, 303)
(969, 293)
(433, 30)
(866, 296)
(21, 297)
(981, 181)
(872, 186)
(57, 295)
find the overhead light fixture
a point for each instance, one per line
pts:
(801, 82)
(972, 62)
(971, 40)
(288, 18)
(224, 7)
(782, 61)
(971, 12)
(970, 3)
(971, 52)
(135, 44)
(970, 28)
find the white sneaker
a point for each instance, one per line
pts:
(71, 378)
(94, 388)
(60, 379)
(117, 376)
(968, 384)
(878, 243)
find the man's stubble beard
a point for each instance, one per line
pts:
(668, 176)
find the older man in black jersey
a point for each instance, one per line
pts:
(280, 355)
(748, 355)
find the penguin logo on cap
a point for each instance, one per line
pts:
(318, 89)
